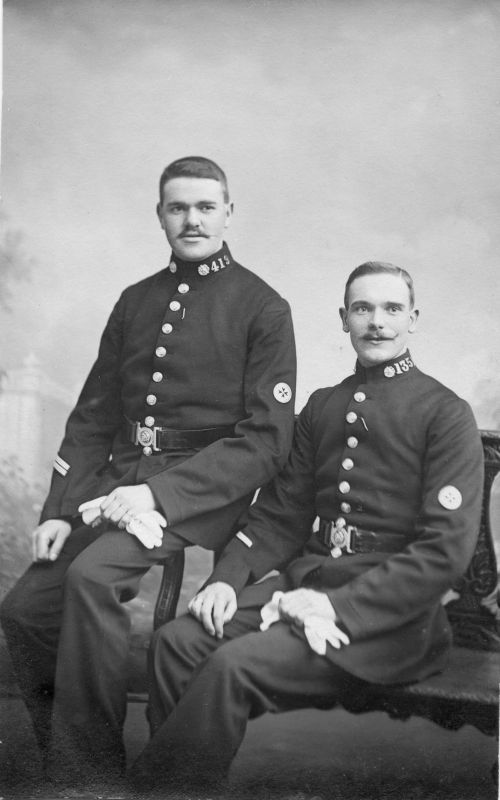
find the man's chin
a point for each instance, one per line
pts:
(372, 357)
(195, 251)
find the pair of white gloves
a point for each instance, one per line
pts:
(319, 631)
(147, 526)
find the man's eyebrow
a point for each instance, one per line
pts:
(197, 203)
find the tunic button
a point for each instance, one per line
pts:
(167, 328)
(348, 463)
(172, 266)
(351, 417)
(359, 397)
(183, 288)
(161, 352)
(151, 399)
(340, 522)
(352, 442)
(149, 421)
(147, 451)
(344, 487)
(157, 376)
(345, 508)
(174, 305)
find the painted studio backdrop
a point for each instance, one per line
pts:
(349, 131)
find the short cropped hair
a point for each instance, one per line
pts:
(375, 267)
(194, 167)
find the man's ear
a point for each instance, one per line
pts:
(158, 214)
(229, 213)
(343, 317)
(413, 320)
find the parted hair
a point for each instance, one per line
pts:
(194, 167)
(374, 267)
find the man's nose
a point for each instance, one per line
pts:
(192, 217)
(377, 318)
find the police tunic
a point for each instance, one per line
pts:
(197, 347)
(391, 451)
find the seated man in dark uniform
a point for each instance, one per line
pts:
(390, 461)
(186, 412)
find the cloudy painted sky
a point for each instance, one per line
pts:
(349, 131)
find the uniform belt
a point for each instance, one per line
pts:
(169, 439)
(358, 540)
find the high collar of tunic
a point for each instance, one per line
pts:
(204, 270)
(394, 369)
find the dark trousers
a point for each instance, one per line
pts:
(204, 691)
(67, 634)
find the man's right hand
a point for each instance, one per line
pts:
(48, 539)
(215, 605)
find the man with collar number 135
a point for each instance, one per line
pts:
(390, 461)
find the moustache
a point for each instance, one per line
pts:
(191, 232)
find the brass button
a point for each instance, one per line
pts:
(151, 399)
(345, 508)
(344, 487)
(157, 376)
(348, 463)
(167, 328)
(147, 451)
(359, 397)
(161, 352)
(352, 442)
(340, 522)
(149, 421)
(174, 305)
(351, 417)
(183, 288)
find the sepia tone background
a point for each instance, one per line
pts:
(348, 130)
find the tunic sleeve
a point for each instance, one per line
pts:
(279, 524)
(90, 429)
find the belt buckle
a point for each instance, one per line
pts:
(339, 539)
(146, 437)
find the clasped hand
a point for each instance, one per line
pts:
(131, 508)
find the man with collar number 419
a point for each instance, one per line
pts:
(186, 412)
(390, 461)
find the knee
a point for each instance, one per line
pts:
(15, 608)
(177, 636)
(79, 575)
(227, 661)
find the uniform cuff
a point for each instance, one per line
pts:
(232, 570)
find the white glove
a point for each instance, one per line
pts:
(318, 630)
(91, 511)
(146, 526)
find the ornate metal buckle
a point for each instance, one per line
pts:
(340, 538)
(146, 437)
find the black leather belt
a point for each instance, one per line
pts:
(158, 438)
(348, 538)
